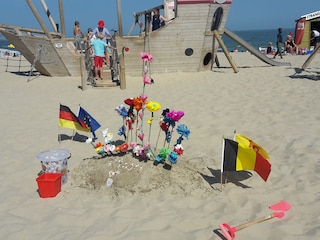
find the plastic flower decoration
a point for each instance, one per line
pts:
(183, 130)
(104, 132)
(122, 131)
(147, 80)
(178, 149)
(129, 101)
(163, 154)
(175, 116)
(173, 157)
(138, 103)
(153, 106)
(146, 57)
(122, 111)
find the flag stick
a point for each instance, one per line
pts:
(222, 159)
(59, 135)
(73, 133)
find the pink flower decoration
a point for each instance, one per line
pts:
(146, 57)
(143, 97)
(175, 116)
(133, 144)
(141, 136)
(147, 80)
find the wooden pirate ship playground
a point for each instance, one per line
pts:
(188, 42)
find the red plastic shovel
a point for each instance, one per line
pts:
(230, 232)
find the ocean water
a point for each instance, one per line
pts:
(257, 38)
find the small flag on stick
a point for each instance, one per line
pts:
(67, 119)
(86, 119)
(237, 156)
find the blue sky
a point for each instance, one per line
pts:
(244, 14)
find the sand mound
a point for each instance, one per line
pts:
(133, 176)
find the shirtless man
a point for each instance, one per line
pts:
(77, 34)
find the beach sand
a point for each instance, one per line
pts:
(273, 106)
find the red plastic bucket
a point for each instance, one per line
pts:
(49, 184)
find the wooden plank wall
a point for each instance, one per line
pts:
(191, 29)
(53, 61)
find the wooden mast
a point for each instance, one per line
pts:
(36, 14)
(49, 15)
(63, 28)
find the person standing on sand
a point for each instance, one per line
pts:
(279, 43)
(106, 36)
(77, 33)
(99, 47)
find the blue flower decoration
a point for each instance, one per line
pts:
(122, 111)
(169, 121)
(173, 157)
(183, 130)
(159, 159)
(168, 136)
(122, 131)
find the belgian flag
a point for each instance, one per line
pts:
(238, 157)
(67, 119)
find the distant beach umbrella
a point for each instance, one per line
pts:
(11, 46)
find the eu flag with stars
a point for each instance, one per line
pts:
(88, 120)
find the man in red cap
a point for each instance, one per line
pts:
(106, 36)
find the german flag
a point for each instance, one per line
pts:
(238, 157)
(67, 119)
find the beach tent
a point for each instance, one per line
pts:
(304, 25)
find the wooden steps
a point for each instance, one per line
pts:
(106, 82)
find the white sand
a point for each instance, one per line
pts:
(271, 105)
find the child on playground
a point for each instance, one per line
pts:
(77, 34)
(99, 47)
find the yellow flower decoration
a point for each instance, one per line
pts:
(150, 120)
(153, 106)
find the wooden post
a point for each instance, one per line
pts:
(225, 50)
(63, 27)
(83, 74)
(119, 18)
(36, 14)
(49, 15)
(123, 82)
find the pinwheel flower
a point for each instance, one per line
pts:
(141, 136)
(129, 101)
(143, 97)
(133, 144)
(124, 147)
(164, 152)
(183, 130)
(122, 111)
(173, 157)
(147, 80)
(108, 138)
(104, 132)
(153, 106)
(137, 104)
(122, 131)
(175, 116)
(146, 57)
(178, 149)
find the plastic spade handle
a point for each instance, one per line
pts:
(229, 232)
